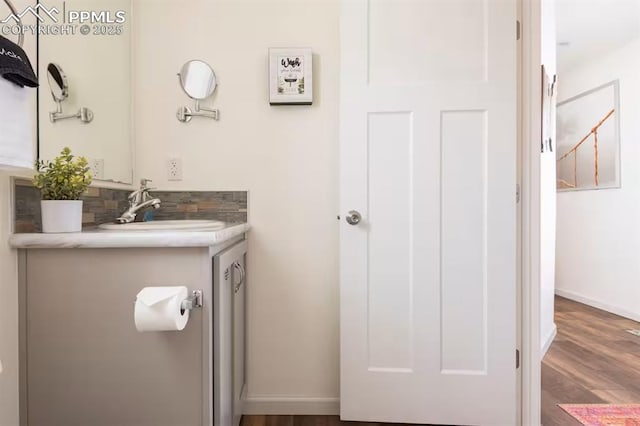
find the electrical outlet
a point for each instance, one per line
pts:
(97, 168)
(174, 169)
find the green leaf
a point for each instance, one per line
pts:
(64, 178)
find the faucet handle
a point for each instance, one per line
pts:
(143, 186)
(140, 194)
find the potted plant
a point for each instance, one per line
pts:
(61, 183)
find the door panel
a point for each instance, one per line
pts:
(428, 157)
(463, 242)
(389, 245)
(452, 36)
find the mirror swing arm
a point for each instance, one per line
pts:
(185, 114)
(84, 114)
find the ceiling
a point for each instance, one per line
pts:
(593, 28)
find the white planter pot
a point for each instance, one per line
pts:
(61, 216)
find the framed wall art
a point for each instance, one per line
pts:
(290, 76)
(588, 149)
(549, 93)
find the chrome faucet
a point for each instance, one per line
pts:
(139, 200)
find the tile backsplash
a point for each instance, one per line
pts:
(102, 205)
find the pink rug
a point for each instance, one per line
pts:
(604, 414)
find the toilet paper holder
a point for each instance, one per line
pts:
(192, 302)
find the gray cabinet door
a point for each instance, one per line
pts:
(239, 338)
(86, 363)
(229, 336)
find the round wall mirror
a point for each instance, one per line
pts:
(57, 82)
(197, 79)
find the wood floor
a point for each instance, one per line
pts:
(592, 360)
(305, 421)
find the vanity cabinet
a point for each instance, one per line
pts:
(84, 363)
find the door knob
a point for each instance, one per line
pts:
(353, 217)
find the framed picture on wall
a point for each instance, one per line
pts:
(290, 76)
(549, 91)
(588, 140)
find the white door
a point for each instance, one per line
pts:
(428, 160)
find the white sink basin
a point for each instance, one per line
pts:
(165, 225)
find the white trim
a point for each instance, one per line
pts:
(599, 305)
(549, 340)
(531, 135)
(291, 406)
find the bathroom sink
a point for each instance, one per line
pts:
(165, 225)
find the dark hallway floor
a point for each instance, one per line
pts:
(592, 360)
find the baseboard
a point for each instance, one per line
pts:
(549, 340)
(599, 305)
(258, 405)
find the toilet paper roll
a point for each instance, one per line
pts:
(158, 309)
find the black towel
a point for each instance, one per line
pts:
(15, 65)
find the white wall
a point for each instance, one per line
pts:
(286, 156)
(548, 191)
(599, 231)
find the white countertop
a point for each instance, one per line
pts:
(128, 239)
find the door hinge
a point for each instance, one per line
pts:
(517, 30)
(517, 359)
(517, 193)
